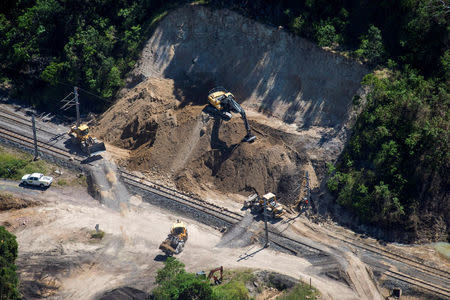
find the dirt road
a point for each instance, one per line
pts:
(58, 258)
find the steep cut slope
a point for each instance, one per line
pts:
(268, 69)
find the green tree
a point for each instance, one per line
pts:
(175, 283)
(9, 280)
(326, 35)
(371, 47)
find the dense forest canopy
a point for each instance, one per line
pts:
(395, 167)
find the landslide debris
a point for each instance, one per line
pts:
(298, 100)
(195, 150)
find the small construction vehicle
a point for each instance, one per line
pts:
(88, 144)
(211, 274)
(174, 243)
(222, 103)
(256, 203)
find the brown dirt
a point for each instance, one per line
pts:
(9, 201)
(196, 151)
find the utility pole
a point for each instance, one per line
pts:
(77, 105)
(265, 224)
(308, 189)
(33, 125)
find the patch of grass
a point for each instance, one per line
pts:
(301, 291)
(233, 286)
(232, 290)
(15, 165)
(97, 234)
(82, 180)
(62, 182)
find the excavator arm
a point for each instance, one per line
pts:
(237, 108)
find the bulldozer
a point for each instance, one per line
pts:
(79, 134)
(174, 243)
(256, 203)
(222, 103)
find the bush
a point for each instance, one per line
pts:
(232, 290)
(301, 291)
(9, 280)
(14, 166)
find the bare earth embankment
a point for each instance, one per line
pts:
(298, 99)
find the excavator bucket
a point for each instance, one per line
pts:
(249, 138)
(96, 148)
(167, 248)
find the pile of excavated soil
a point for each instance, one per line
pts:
(198, 152)
(298, 99)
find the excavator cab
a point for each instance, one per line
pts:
(179, 229)
(222, 103)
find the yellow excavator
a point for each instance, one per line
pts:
(79, 134)
(222, 103)
(174, 243)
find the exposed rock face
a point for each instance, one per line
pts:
(268, 69)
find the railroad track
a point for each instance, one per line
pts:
(19, 119)
(234, 217)
(425, 268)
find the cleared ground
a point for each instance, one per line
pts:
(59, 259)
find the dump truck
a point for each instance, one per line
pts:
(175, 241)
(79, 134)
(256, 203)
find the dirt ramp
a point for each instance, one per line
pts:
(267, 68)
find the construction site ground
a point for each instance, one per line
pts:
(59, 259)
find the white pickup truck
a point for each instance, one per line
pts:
(37, 179)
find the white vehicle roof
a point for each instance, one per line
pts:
(36, 175)
(269, 196)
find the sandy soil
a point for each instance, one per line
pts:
(58, 259)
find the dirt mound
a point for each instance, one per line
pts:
(195, 150)
(9, 201)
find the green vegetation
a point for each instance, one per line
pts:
(233, 286)
(301, 291)
(48, 46)
(97, 234)
(175, 283)
(397, 160)
(9, 281)
(14, 166)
